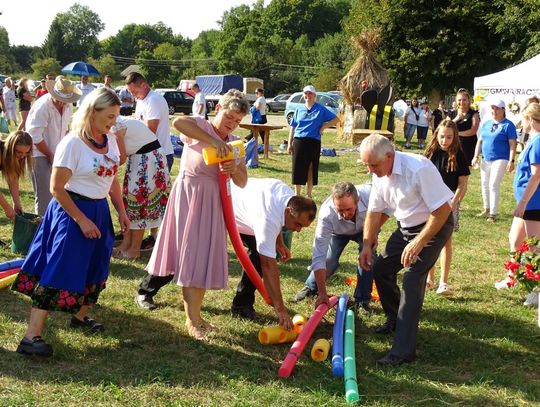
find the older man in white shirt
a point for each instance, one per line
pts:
(341, 220)
(47, 123)
(411, 186)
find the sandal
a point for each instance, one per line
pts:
(121, 255)
(444, 289)
(492, 218)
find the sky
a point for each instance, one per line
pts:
(185, 17)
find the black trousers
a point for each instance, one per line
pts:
(403, 307)
(152, 284)
(245, 292)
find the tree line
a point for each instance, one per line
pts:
(426, 45)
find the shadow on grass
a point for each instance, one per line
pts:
(140, 348)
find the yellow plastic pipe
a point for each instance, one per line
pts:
(320, 350)
(210, 153)
(7, 281)
(275, 335)
(299, 321)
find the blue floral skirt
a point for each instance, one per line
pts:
(63, 269)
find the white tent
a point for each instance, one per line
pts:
(513, 85)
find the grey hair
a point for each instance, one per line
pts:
(343, 189)
(378, 145)
(97, 100)
(234, 100)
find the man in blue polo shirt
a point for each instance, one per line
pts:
(307, 126)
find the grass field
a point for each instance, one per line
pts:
(479, 347)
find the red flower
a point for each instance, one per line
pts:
(64, 294)
(29, 285)
(61, 302)
(163, 200)
(511, 265)
(20, 287)
(71, 300)
(23, 278)
(523, 248)
(108, 173)
(510, 283)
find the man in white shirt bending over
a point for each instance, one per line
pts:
(262, 209)
(411, 186)
(341, 220)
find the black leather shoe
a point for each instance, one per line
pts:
(87, 323)
(35, 346)
(387, 328)
(362, 308)
(244, 311)
(145, 302)
(393, 360)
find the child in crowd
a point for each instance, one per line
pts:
(445, 152)
(15, 161)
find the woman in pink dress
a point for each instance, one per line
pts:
(191, 246)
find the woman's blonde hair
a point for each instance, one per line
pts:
(12, 168)
(96, 101)
(532, 111)
(22, 83)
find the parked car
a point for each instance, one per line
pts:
(177, 100)
(329, 100)
(277, 103)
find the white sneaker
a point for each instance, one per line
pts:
(531, 300)
(500, 285)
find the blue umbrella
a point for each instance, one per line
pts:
(80, 68)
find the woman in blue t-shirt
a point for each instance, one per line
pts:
(307, 125)
(527, 213)
(497, 141)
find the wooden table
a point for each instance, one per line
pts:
(359, 134)
(255, 128)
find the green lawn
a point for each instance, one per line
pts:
(477, 348)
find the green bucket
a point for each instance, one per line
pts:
(25, 228)
(287, 238)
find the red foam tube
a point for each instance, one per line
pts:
(298, 346)
(10, 272)
(230, 222)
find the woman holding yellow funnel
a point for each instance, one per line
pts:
(191, 246)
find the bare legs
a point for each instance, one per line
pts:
(38, 317)
(130, 248)
(196, 326)
(521, 230)
(445, 260)
(309, 186)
